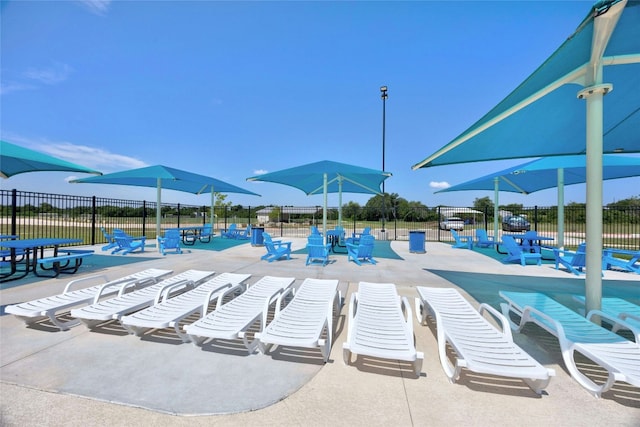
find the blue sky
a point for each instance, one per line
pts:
(234, 89)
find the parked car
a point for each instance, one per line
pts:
(453, 223)
(515, 223)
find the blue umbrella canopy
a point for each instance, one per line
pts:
(582, 99)
(15, 159)
(160, 177)
(328, 177)
(541, 174)
(547, 173)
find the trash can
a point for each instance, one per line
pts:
(416, 242)
(256, 236)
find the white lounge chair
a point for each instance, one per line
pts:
(479, 346)
(620, 357)
(306, 319)
(233, 319)
(378, 327)
(621, 314)
(36, 310)
(121, 305)
(169, 313)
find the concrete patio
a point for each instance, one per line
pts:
(107, 377)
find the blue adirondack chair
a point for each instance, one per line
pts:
(317, 251)
(518, 253)
(572, 261)
(127, 243)
(355, 237)
(206, 234)
(170, 241)
(461, 242)
(111, 242)
(276, 249)
(244, 235)
(314, 231)
(363, 251)
(231, 232)
(483, 240)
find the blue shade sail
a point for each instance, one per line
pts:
(15, 160)
(582, 100)
(160, 177)
(541, 174)
(328, 177)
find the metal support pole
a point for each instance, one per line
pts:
(384, 96)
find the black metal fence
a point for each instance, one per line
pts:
(29, 214)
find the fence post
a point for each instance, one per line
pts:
(144, 217)
(178, 215)
(93, 220)
(14, 199)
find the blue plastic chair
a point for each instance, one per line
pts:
(206, 233)
(572, 261)
(111, 243)
(170, 241)
(317, 251)
(355, 237)
(231, 232)
(483, 240)
(362, 252)
(126, 243)
(244, 235)
(276, 249)
(518, 253)
(461, 242)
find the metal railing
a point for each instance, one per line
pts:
(30, 214)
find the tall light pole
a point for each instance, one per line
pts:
(384, 96)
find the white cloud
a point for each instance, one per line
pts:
(97, 7)
(439, 185)
(260, 172)
(94, 158)
(14, 87)
(56, 73)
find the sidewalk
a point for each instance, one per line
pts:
(46, 379)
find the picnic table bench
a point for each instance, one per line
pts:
(65, 261)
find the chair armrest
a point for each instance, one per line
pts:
(210, 294)
(73, 282)
(617, 321)
(504, 322)
(165, 291)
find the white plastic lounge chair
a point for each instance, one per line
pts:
(479, 346)
(305, 319)
(619, 356)
(36, 310)
(621, 314)
(121, 305)
(232, 320)
(169, 313)
(379, 328)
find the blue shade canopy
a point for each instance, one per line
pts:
(544, 116)
(543, 173)
(170, 178)
(582, 100)
(15, 160)
(328, 177)
(340, 177)
(160, 177)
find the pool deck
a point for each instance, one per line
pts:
(45, 378)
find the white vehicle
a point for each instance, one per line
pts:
(452, 223)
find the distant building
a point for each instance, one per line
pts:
(286, 212)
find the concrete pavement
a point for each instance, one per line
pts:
(105, 377)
